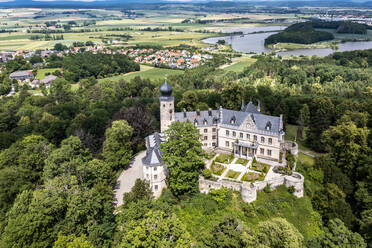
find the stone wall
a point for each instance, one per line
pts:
(248, 190)
(290, 146)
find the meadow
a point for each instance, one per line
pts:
(146, 72)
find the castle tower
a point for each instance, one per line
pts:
(166, 106)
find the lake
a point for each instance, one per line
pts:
(254, 42)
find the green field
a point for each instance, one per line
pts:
(306, 158)
(147, 72)
(240, 65)
(41, 73)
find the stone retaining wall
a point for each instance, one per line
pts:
(248, 190)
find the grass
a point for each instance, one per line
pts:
(232, 174)
(41, 73)
(291, 134)
(217, 169)
(242, 161)
(146, 72)
(252, 177)
(240, 65)
(224, 158)
(306, 158)
(261, 167)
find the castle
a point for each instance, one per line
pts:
(247, 133)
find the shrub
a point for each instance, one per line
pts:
(267, 189)
(291, 189)
(207, 174)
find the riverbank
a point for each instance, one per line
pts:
(281, 47)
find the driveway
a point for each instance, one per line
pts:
(128, 177)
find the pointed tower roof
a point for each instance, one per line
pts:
(250, 108)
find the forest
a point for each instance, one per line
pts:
(60, 155)
(302, 33)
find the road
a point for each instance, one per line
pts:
(128, 177)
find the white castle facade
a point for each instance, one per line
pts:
(247, 133)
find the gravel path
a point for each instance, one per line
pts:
(128, 177)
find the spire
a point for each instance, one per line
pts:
(242, 108)
(259, 106)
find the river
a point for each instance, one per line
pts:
(251, 41)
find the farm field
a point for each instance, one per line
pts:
(105, 23)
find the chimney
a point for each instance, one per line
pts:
(210, 112)
(184, 113)
(220, 114)
(259, 106)
(198, 112)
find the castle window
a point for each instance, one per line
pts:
(155, 168)
(270, 141)
(241, 135)
(268, 126)
(205, 137)
(255, 137)
(262, 151)
(156, 187)
(213, 129)
(205, 130)
(227, 144)
(163, 105)
(233, 119)
(269, 152)
(262, 139)
(234, 134)
(155, 177)
(214, 137)
(205, 144)
(196, 123)
(213, 144)
(205, 122)
(215, 120)
(248, 136)
(227, 133)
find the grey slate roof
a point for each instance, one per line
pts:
(153, 153)
(21, 74)
(205, 118)
(208, 118)
(261, 121)
(250, 108)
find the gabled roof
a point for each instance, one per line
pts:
(153, 153)
(261, 121)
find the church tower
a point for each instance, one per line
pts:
(166, 106)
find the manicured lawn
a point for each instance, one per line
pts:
(217, 169)
(242, 161)
(306, 158)
(232, 174)
(251, 177)
(41, 73)
(261, 167)
(224, 158)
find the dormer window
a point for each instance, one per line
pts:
(196, 123)
(214, 120)
(268, 126)
(205, 122)
(233, 120)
